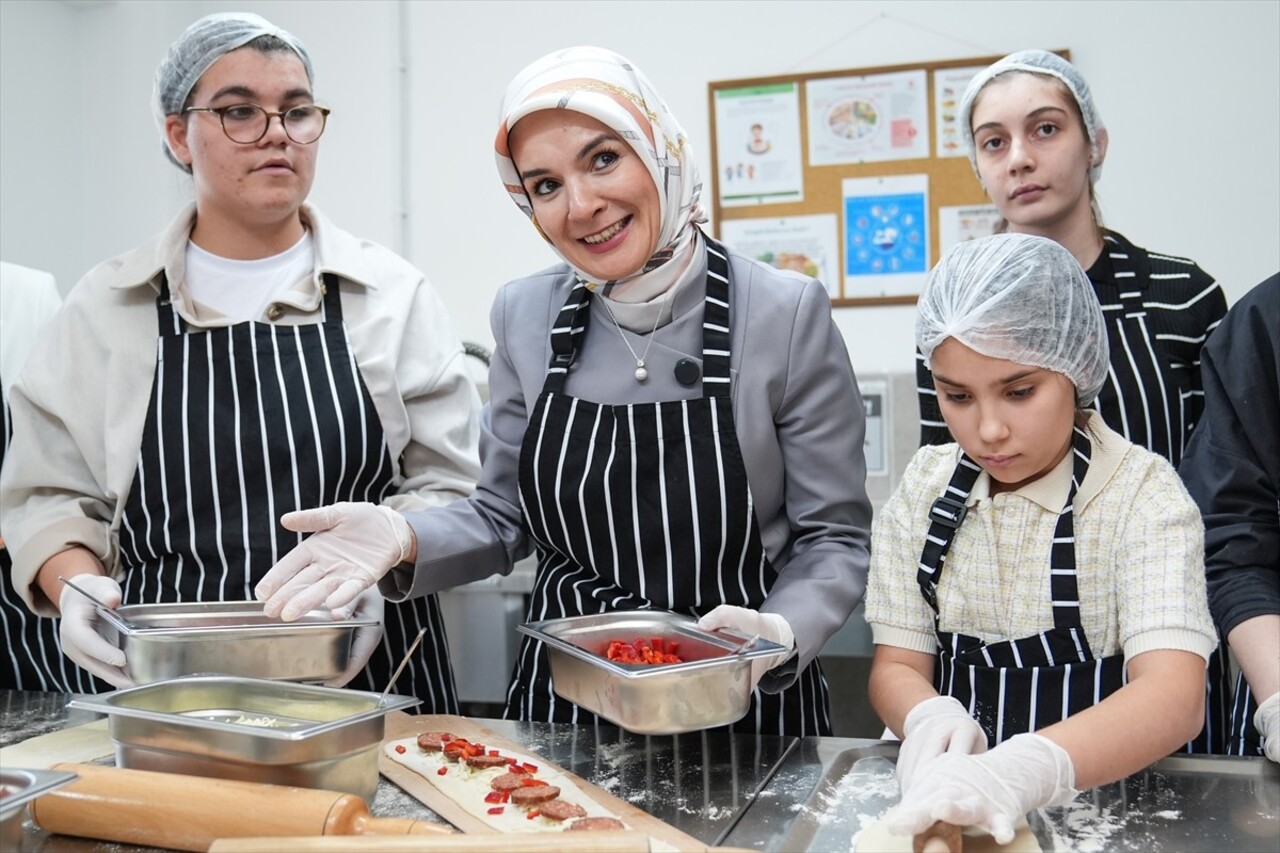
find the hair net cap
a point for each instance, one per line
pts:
(1048, 64)
(1020, 298)
(204, 43)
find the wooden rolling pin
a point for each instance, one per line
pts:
(191, 812)
(942, 837)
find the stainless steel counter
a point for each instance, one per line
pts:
(784, 794)
(827, 790)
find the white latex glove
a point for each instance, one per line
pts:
(368, 605)
(78, 630)
(352, 545)
(991, 791)
(1267, 721)
(769, 626)
(933, 727)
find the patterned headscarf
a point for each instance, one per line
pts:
(603, 85)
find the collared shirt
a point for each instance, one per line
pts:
(80, 403)
(1139, 555)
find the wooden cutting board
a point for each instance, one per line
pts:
(400, 725)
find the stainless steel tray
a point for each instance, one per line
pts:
(318, 737)
(19, 787)
(712, 687)
(828, 790)
(162, 641)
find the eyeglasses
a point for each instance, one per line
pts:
(248, 123)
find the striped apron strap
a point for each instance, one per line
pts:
(945, 517)
(715, 323)
(566, 336)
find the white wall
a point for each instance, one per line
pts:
(1189, 90)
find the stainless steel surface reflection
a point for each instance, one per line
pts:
(828, 790)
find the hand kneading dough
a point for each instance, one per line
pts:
(876, 838)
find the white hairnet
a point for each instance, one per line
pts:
(1036, 62)
(204, 43)
(1021, 298)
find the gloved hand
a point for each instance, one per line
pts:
(1267, 721)
(352, 545)
(933, 727)
(368, 605)
(769, 626)
(78, 630)
(991, 791)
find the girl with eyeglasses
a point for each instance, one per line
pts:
(250, 361)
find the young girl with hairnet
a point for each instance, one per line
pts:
(671, 425)
(1036, 592)
(250, 361)
(1037, 142)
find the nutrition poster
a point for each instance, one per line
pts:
(758, 145)
(868, 119)
(886, 229)
(948, 87)
(805, 244)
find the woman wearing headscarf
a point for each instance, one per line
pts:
(671, 425)
(1037, 592)
(250, 361)
(1037, 143)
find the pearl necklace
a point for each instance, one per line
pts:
(642, 373)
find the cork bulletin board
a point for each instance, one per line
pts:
(831, 188)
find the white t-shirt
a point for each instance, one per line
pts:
(242, 290)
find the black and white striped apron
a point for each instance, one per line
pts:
(645, 506)
(32, 658)
(245, 423)
(1016, 686)
(1150, 399)
(1242, 737)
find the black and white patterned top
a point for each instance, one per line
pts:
(1159, 309)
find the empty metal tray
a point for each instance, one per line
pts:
(162, 641)
(316, 737)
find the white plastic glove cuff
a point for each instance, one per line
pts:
(400, 529)
(1267, 721)
(78, 629)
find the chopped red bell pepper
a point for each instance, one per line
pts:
(493, 797)
(400, 748)
(497, 810)
(532, 814)
(529, 768)
(442, 771)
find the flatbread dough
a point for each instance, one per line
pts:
(78, 744)
(876, 838)
(468, 786)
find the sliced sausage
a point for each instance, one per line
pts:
(591, 823)
(507, 782)
(561, 810)
(433, 741)
(486, 761)
(532, 796)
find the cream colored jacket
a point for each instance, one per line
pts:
(80, 402)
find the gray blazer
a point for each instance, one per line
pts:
(799, 421)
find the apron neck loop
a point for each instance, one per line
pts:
(571, 325)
